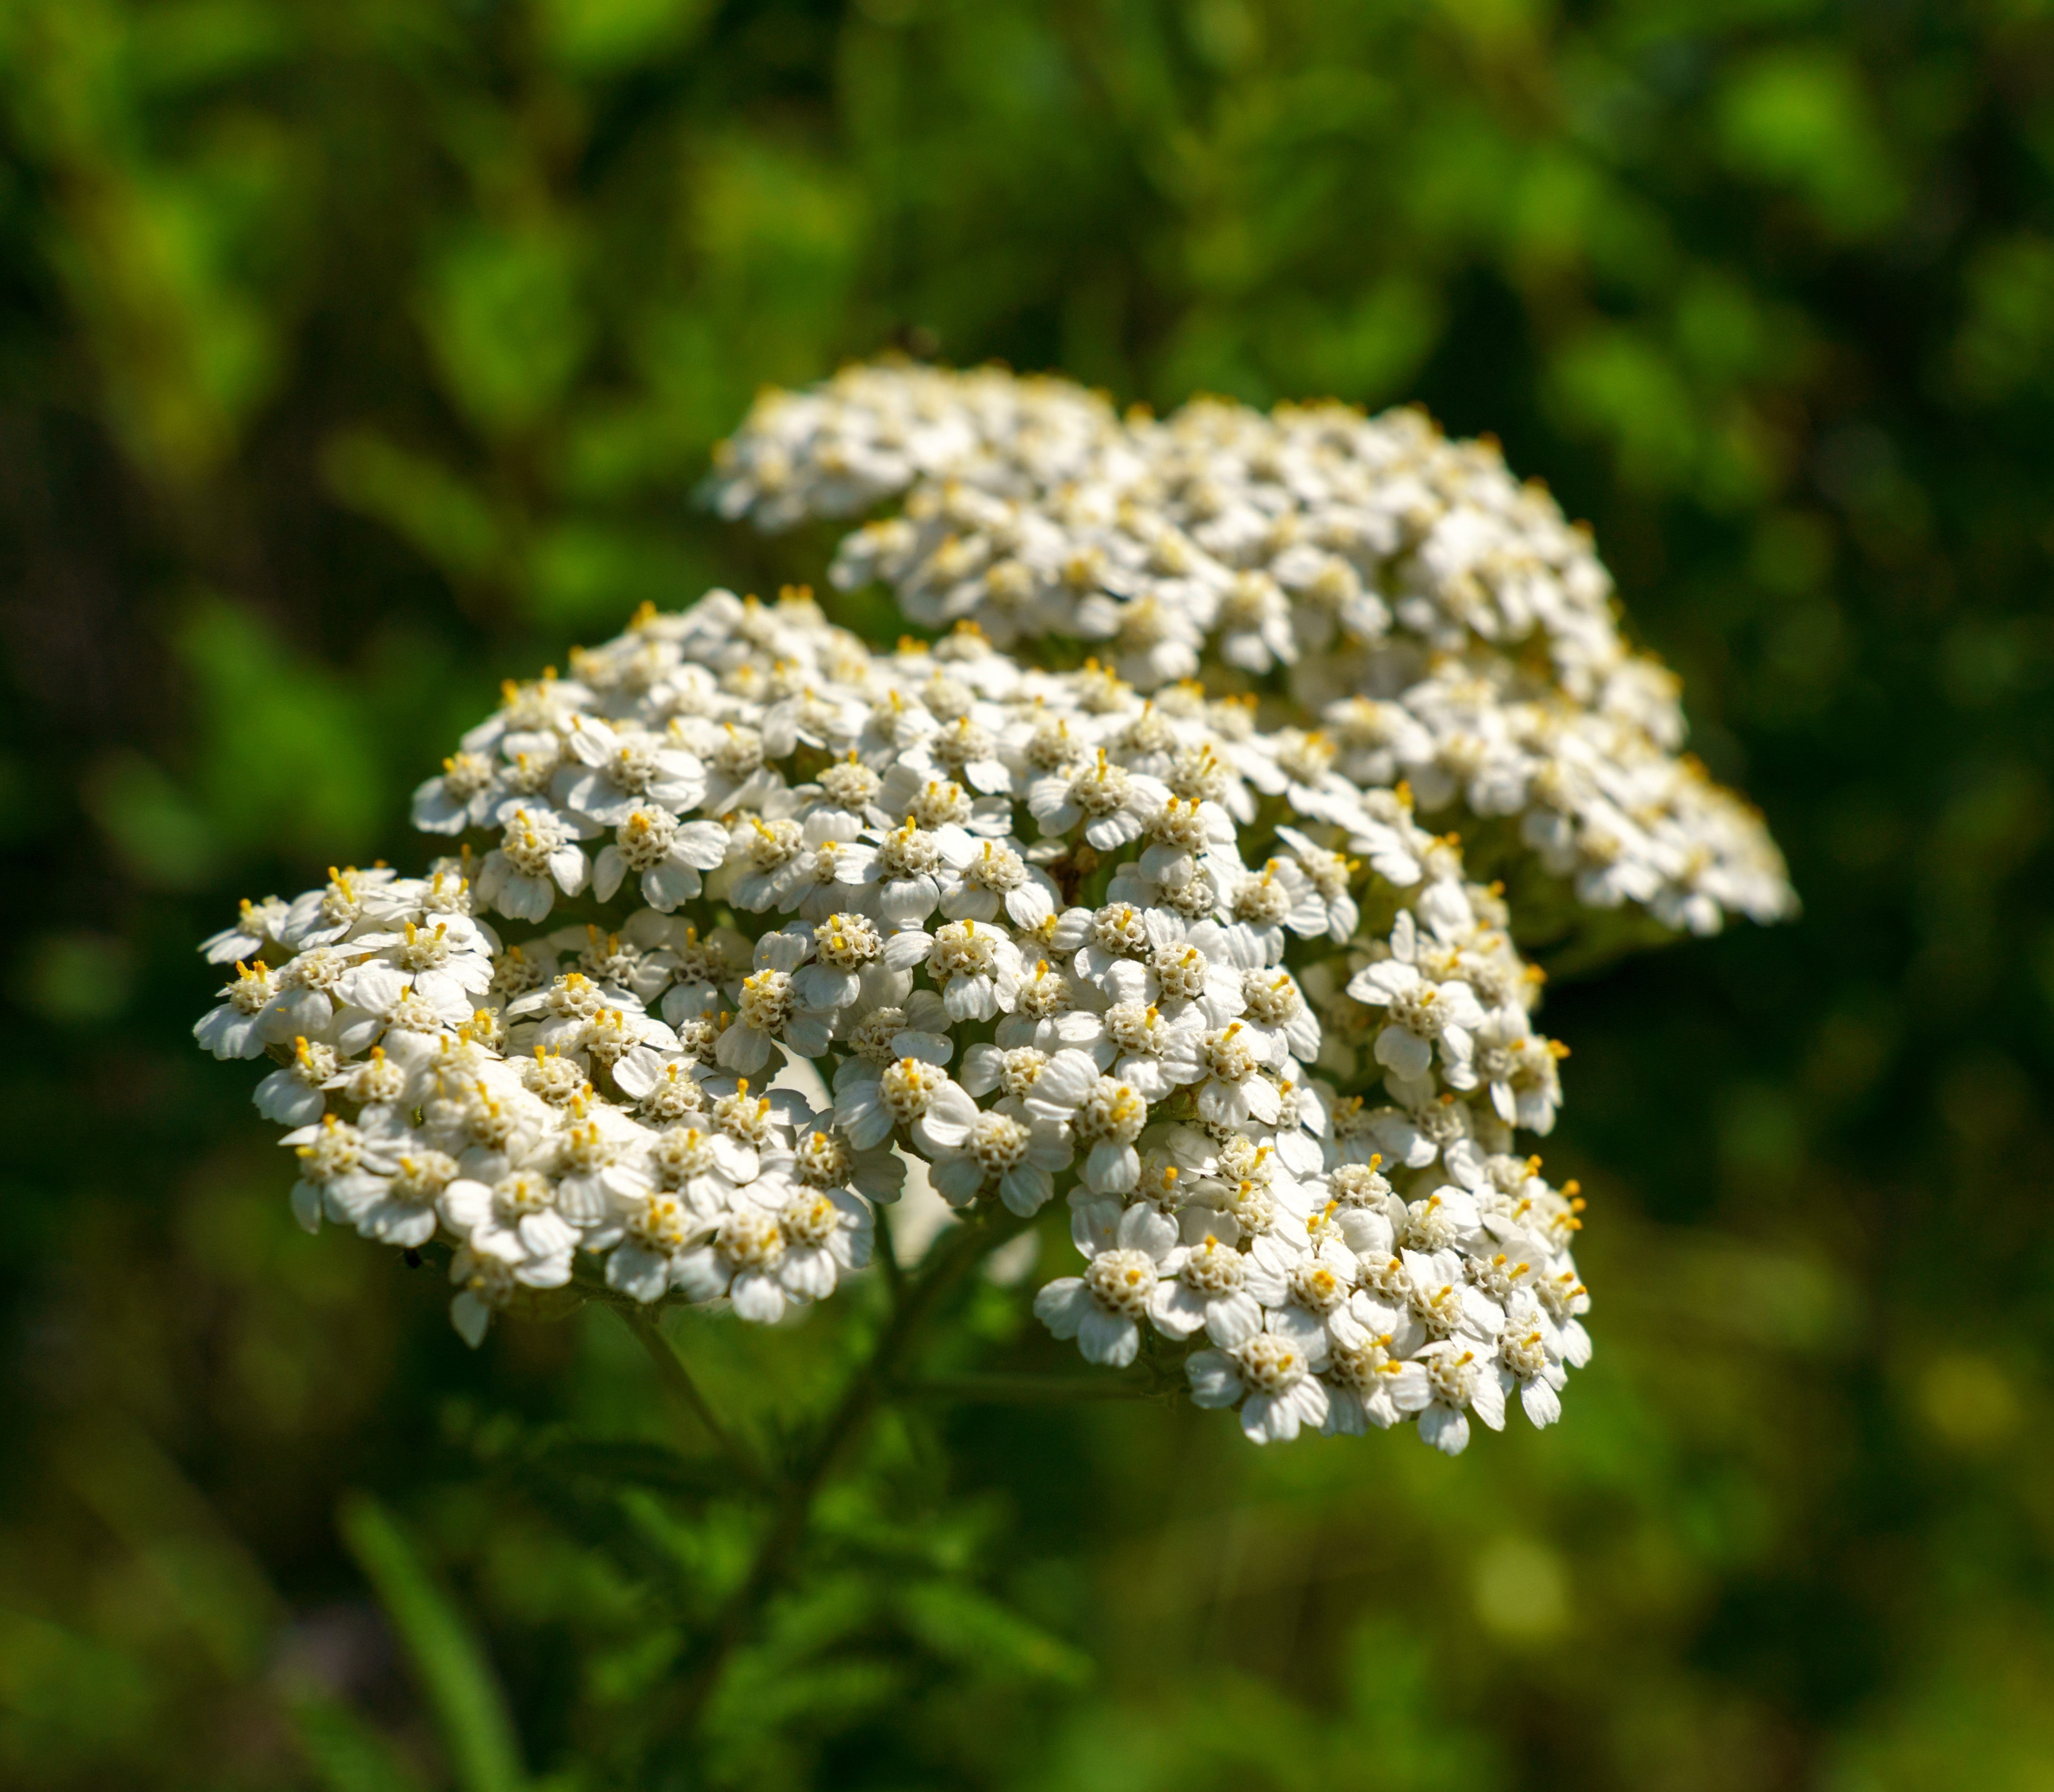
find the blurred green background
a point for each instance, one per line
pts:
(353, 356)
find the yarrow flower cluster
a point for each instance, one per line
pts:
(742, 919)
(1440, 622)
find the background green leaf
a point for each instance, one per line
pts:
(476, 1727)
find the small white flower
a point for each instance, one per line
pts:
(448, 961)
(339, 1165)
(401, 1209)
(1362, 1376)
(769, 857)
(906, 870)
(994, 876)
(871, 1102)
(247, 1021)
(1565, 1299)
(379, 998)
(737, 778)
(1446, 1304)
(1113, 804)
(1269, 1377)
(1442, 1384)
(1274, 1009)
(1330, 875)
(1530, 1363)
(977, 968)
(842, 946)
(1102, 1310)
(260, 924)
(1189, 968)
(322, 917)
(834, 878)
(823, 1158)
(1308, 1293)
(1235, 1090)
(486, 1284)
(1280, 895)
(1421, 1013)
(1209, 1290)
(650, 845)
(293, 1095)
(776, 1244)
(614, 772)
(1255, 624)
(538, 856)
(1519, 1069)
(654, 1236)
(1103, 1115)
(827, 1234)
(1007, 1152)
(515, 1220)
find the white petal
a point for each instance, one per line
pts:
(1215, 1381)
(471, 1317)
(1404, 1051)
(1233, 1318)
(1445, 1429)
(1111, 1339)
(1543, 1405)
(1062, 1305)
(639, 1274)
(757, 1297)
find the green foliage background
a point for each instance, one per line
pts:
(354, 356)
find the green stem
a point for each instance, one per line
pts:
(684, 1392)
(894, 1271)
(947, 1260)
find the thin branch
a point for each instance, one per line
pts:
(946, 1262)
(684, 1392)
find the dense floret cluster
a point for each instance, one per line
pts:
(742, 922)
(1440, 622)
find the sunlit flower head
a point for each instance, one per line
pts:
(1441, 622)
(744, 923)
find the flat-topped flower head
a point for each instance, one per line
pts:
(1443, 620)
(836, 915)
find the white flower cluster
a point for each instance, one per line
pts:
(873, 430)
(523, 1104)
(1444, 624)
(1039, 932)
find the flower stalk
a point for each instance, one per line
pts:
(684, 1392)
(779, 1551)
